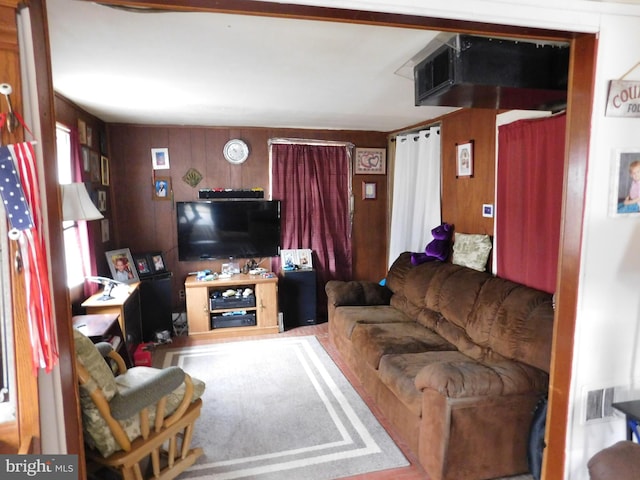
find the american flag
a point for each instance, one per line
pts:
(15, 203)
(19, 189)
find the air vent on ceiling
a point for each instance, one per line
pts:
(483, 72)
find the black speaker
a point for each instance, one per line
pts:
(155, 305)
(298, 298)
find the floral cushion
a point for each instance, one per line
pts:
(471, 250)
(96, 431)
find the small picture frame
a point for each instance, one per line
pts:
(104, 230)
(162, 188)
(102, 200)
(86, 159)
(464, 159)
(160, 158)
(142, 265)
(156, 262)
(625, 183)
(104, 170)
(369, 190)
(95, 166)
(122, 266)
(89, 136)
(82, 132)
(370, 161)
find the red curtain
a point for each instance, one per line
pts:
(86, 249)
(529, 200)
(312, 181)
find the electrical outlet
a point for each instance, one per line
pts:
(181, 294)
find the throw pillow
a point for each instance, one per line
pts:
(471, 250)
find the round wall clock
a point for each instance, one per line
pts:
(236, 151)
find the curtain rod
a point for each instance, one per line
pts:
(307, 141)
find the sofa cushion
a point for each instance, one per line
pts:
(345, 319)
(398, 271)
(514, 321)
(356, 293)
(454, 292)
(464, 377)
(372, 341)
(398, 373)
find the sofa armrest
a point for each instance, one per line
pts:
(355, 293)
(468, 378)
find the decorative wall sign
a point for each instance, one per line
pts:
(370, 161)
(192, 177)
(464, 159)
(623, 99)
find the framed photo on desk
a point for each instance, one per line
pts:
(121, 265)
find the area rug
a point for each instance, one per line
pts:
(280, 408)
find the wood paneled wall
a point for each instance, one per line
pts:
(463, 198)
(143, 224)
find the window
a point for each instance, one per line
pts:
(75, 269)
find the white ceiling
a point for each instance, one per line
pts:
(233, 70)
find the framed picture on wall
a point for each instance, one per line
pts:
(104, 170)
(94, 160)
(104, 230)
(370, 161)
(369, 190)
(160, 158)
(102, 200)
(162, 188)
(464, 159)
(625, 183)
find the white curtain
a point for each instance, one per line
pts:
(416, 191)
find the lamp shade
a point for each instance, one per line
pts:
(76, 204)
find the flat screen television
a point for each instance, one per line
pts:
(227, 229)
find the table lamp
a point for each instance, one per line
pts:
(76, 204)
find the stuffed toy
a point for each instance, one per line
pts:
(438, 248)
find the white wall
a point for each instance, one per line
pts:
(607, 342)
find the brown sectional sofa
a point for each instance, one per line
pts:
(455, 358)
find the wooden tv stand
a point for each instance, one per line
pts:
(200, 311)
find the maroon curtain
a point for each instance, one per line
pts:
(312, 181)
(86, 249)
(529, 200)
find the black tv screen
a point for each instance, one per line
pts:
(228, 228)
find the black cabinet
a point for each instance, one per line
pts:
(297, 291)
(155, 308)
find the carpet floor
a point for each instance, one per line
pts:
(280, 408)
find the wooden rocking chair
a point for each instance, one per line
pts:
(138, 413)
